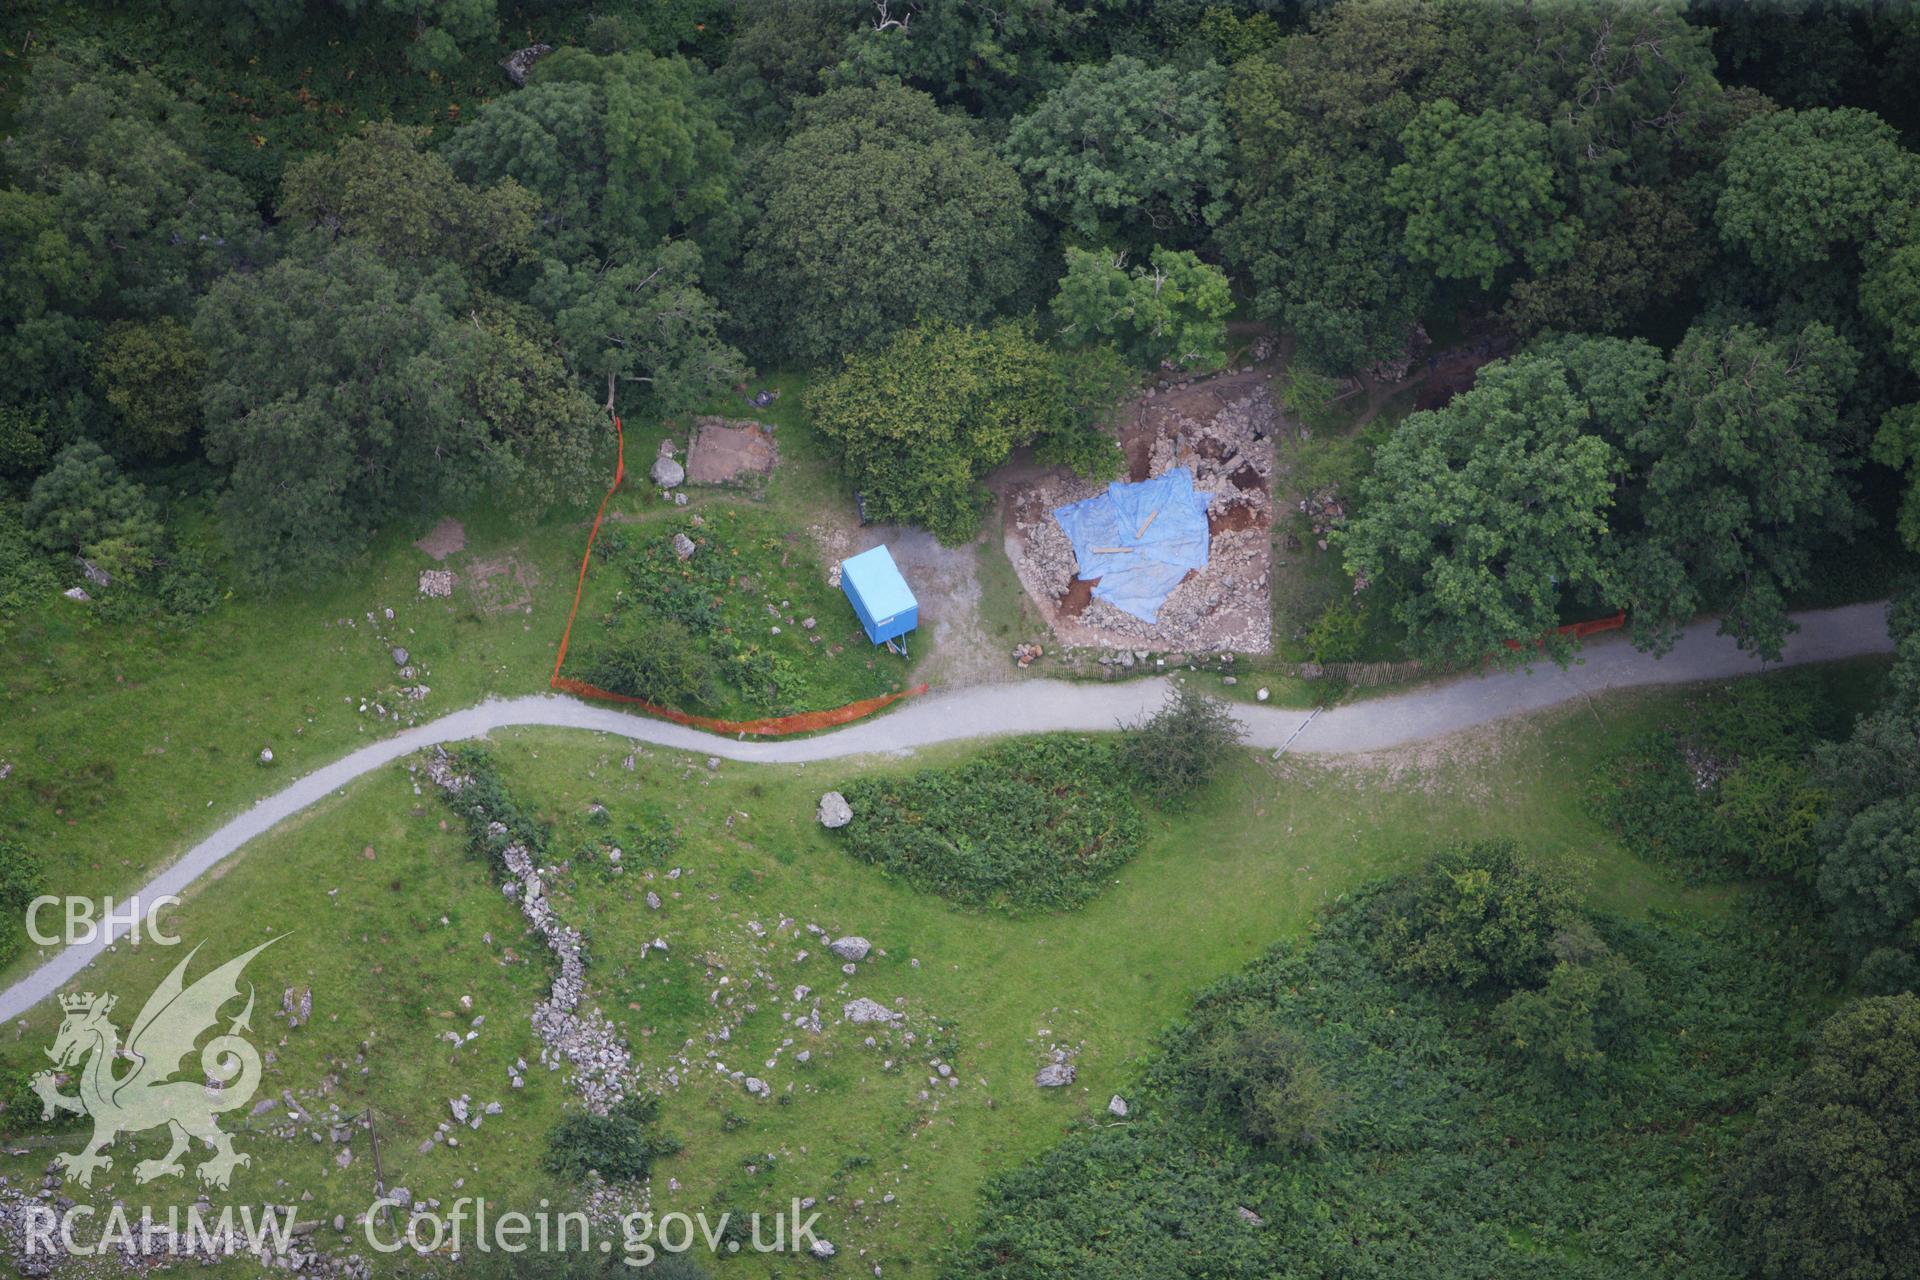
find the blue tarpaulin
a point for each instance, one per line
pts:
(1139, 540)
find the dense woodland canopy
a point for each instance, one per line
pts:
(408, 281)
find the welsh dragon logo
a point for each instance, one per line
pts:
(173, 1018)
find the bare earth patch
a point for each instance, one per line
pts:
(502, 584)
(444, 539)
(729, 452)
(1220, 427)
(946, 582)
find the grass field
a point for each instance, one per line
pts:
(391, 942)
(129, 743)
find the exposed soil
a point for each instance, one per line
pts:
(946, 582)
(1078, 596)
(727, 451)
(1451, 372)
(502, 584)
(444, 539)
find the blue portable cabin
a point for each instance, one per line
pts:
(880, 595)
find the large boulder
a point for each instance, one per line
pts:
(1055, 1075)
(667, 473)
(863, 1011)
(850, 948)
(683, 547)
(835, 812)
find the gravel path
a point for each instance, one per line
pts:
(1035, 706)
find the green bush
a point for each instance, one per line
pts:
(1650, 797)
(21, 880)
(83, 504)
(1309, 397)
(26, 576)
(701, 631)
(1178, 750)
(1338, 633)
(484, 802)
(620, 1146)
(1477, 916)
(1826, 1182)
(1257, 1069)
(1041, 823)
(1590, 1009)
(1768, 810)
(1439, 1167)
(1870, 880)
(659, 662)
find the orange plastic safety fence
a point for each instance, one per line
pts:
(1581, 630)
(770, 727)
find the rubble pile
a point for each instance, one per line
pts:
(1222, 608)
(603, 1068)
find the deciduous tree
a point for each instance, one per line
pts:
(1482, 514)
(1127, 145)
(343, 390)
(1824, 1186)
(1745, 465)
(1171, 310)
(384, 188)
(921, 421)
(616, 149)
(643, 319)
(1803, 186)
(151, 373)
(1479, 193)
(878, 211)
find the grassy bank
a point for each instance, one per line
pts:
(389, 945)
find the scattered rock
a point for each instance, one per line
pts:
(76, 593)
(822, 1249)
(683, 547)
(586, 1040)
(1117, 1106)
(863, 1011)
(1055, 1075)
(667, 473)
(1249, 1217)
(94, 573)
(850, 948)
(834, 812)
(1262, 694)
(266, 755)
(519, 64)
(400, 656)
(1025, 655)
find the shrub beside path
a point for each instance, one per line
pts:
(1038, 706)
